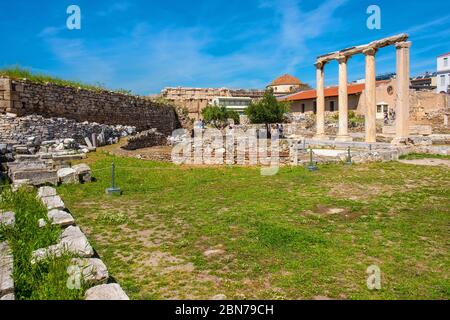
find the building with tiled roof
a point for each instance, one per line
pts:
(286, 84)
(305, 101)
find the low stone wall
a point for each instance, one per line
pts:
(19, 130)
(146, 139)
(24, 97)
(74, 241)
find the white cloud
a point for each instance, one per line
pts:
(146, 60)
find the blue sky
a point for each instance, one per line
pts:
(146, 45)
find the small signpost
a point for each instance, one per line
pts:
(113, 190)
(312, 166)
(349, 157)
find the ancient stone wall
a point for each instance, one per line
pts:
(24, 97)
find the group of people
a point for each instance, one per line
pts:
(389, 116)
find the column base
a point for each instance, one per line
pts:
(370, 140)
(344, 138)
(321, 137)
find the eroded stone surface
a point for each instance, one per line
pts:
(46, 192)
(6, 269)
(94, 271)
(61, 218)
(76, 242)
(111, 291)
(83, 171)
(53, 202)
(67, 175)
(7, 218)
(9, 296)
(72, 240)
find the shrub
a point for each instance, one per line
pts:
(218, 116)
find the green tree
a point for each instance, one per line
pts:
(218, 116)
(267, 110)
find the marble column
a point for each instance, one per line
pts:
(402, 97)
(320, 102)
(370, 95)
(343, 101)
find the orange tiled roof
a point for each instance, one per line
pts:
(329, 92)
(285, 79)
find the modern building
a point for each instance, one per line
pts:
(305, 101)
(443, 73)
(425, 82)
(286, 84)
(238, 104)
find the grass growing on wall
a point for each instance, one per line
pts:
(47, 279)
(19, 73)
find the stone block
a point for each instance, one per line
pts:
(60, 218)
(83, 172)
(74, 240)
(112, 291)
(7, 219)
(36, 177)
(46, 192)
(93, 270)
(6, 269)
(53, 202)
(9, 296)
(67, 175)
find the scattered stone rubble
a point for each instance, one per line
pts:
(44, 168)
(33, 129)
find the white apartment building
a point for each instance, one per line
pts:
(443, 73)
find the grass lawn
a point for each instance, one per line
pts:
(297, 235)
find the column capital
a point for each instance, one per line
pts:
(370, 51)
(342, 59)
(403, 44)
(320, 64)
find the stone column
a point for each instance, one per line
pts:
(343, 101)
(320, 105)
(402, 101)
(370, 94)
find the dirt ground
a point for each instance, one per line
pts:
(428, 162)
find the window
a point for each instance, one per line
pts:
(331, 106)
(315, 107)
(379, 109)
(303, 108)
